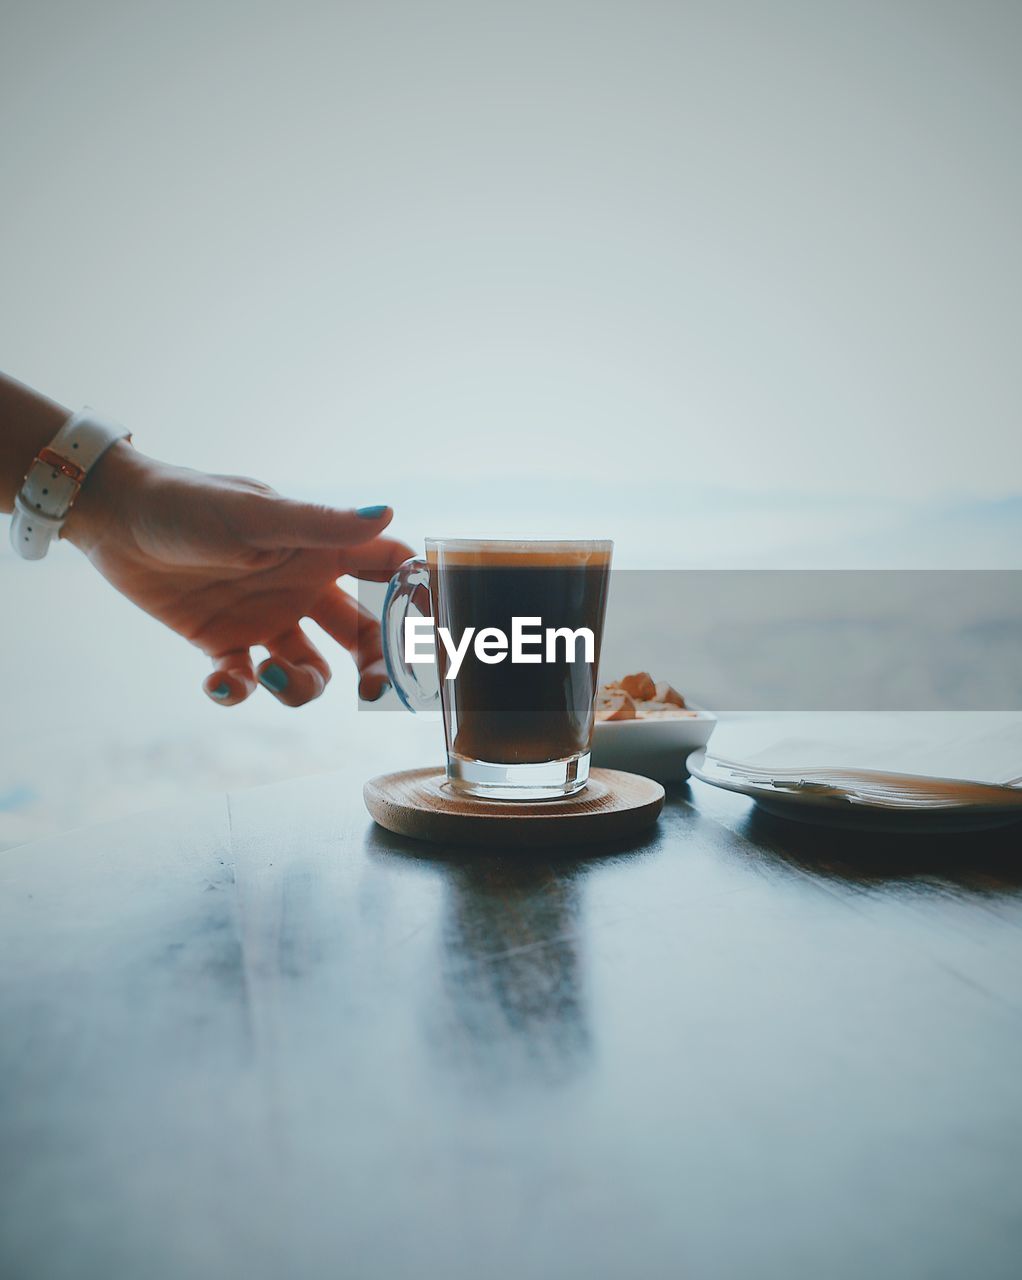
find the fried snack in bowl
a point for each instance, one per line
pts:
(666, 693)
(640, 686)
(663, 710)
(652, 735)
(614, 704)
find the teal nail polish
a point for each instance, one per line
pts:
(273, 678)
(221, 691)
(371, 513)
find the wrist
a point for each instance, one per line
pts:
(108, 495)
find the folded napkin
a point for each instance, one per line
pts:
(962, 746)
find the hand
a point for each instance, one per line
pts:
(228, 563)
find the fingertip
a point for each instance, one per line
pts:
(225, 689)
(380, 513)
(273, 675)
(292, 684)
(373, 684)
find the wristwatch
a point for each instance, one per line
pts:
(55, 478)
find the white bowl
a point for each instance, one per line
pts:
(657, 747)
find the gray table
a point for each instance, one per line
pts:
(262, 1038)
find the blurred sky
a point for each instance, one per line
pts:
(382, 248)
(732, 283)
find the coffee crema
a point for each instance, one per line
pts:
(508, 553)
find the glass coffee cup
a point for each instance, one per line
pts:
(516, 628)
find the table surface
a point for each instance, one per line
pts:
(260, 1037)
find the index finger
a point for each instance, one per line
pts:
(281, 522)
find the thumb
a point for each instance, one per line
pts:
(282, 522)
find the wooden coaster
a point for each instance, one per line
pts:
(419, 803)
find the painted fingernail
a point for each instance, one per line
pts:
(371, 513)
(221, 691)
(273, 678)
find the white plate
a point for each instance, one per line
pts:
(837, 811)
(657, 747)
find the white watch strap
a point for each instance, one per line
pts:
(54, 479)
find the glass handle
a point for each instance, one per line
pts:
(408, 588)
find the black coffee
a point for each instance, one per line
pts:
(520, 713)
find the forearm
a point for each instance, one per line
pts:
(28, 422)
